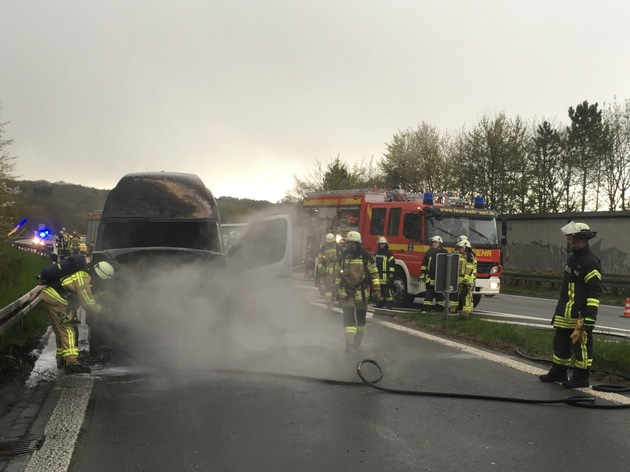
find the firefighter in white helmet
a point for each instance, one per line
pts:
(384, 259)
(427, 274)
(576, 311)
(326, 262)
(63, 296)
(356, 274)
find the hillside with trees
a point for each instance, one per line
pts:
(64, 205)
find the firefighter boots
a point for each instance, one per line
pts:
(579, 379)
(557, 373)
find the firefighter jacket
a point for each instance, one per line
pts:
(467, 268)
(427, 270)
(581, 288)
(327, 258)
(385, 265)
(74, 289)
(355, 275)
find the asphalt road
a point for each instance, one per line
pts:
(259, 403)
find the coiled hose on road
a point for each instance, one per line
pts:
(584, 401)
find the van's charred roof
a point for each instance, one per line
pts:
(161, 195)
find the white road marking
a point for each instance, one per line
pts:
(63, 427)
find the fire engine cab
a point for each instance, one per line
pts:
(409, 222)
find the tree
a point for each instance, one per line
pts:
(548, 170)
(337, 176)
(495, 165)
(416, 160)
(6, 192)
(616, 163)
(588, 141)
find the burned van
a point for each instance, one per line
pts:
(162, 233)
(159, 210)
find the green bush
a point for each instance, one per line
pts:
(18, 271)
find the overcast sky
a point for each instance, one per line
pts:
(249, 93)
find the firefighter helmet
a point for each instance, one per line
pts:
(464, 243)
(578, 230)
(382, 240)
(353, 236)
(462, 237)
(437, 238)
(329, 238)
(104, 270)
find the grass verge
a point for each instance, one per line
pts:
(17, 273)
(611, 362)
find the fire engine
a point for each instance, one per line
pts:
(409, 222)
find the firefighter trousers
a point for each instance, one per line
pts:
(564, 349)
(65, 331)
(354, 316)
(431, 295)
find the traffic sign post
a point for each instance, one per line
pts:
(446, 272)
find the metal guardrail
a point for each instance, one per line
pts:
(18, 309)
(610, 282)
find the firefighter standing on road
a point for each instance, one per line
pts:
(385, 264)
(59, 298)
(576, 311)
(356, 273)
(428, 275)
(326, 262)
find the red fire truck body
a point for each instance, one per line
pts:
(409, 223)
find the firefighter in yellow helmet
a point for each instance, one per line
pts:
(60, 298)
(427, 274)
(386, 266)
(466, 278)
(326, 262)
(576, 311)
(356, 274)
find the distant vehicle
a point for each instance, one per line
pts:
(168, 220)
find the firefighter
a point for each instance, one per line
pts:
(326, 261)
(356, 273)
(428, 274)
(576, 311)
(63, 244)
(466, 279)
(75, 243)
(386, 266)
(60, 299)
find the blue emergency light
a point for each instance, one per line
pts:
(427, 199)
(479, 202)
(43, 233)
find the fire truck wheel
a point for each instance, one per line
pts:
(399, 289)
(476, 300)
